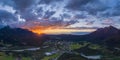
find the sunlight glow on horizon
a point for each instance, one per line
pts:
(60, 31)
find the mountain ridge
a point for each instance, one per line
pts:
(19, 36)
(101, 35)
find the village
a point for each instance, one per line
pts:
(53, 50)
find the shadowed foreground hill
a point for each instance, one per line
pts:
(18, 36)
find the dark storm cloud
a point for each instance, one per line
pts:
(7, 2)
(27, 15)
(91, 6)
(1, 26)
(66, 15)
(104, 8)
(18, 4)
(80, 16)
(48, 1)
(6, 17)
(23, 4)
(59, 12)
(110, 13)
(77, 4)
(48, 14)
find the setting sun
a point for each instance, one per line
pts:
(37, 31)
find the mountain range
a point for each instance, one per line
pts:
(18, 36)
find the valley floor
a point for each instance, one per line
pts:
(60, 50)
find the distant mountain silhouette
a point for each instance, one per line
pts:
(110, 36)
(105, 32)
(18, 36)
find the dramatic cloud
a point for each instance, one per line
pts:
(99, 8)
(48, 1)
(7, 18)
(77, 4)
(59, 13)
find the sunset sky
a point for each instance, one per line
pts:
(60, 16)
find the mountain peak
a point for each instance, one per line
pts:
(112, 27)
(108, 29)
(111, 30)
